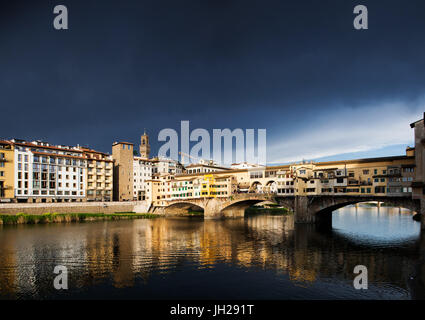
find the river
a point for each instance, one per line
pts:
(258, 257)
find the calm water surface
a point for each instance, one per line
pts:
(258, 257)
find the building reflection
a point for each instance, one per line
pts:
(124, 252)
(8, 276)
(266, 242)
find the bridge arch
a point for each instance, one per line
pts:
(323, 212)
(271, 186)
(315, 208)
(179, 207)
(337, 206)
(256, 186)
(236, 207)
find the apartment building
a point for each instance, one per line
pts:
(46, 173)
(99, 175)
(378, 176)
(285, 182)
(206, 186)
(142, 173)
(40, 172)
(186, 188)
(162, 166)
(161, 190)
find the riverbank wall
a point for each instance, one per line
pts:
(74, 207)
(22, 218)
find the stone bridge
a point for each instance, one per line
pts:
(318, 209)
(307, 209)
(229, 207)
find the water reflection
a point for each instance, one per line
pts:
(381, 227)
(256, 257)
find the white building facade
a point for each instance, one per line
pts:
(49, 174)
(142, 173)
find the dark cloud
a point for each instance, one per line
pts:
(128, 65)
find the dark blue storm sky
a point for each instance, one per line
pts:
(296, 68)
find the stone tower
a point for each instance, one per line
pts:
(122, 155)
(145, 148)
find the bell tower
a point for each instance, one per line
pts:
(144, 146)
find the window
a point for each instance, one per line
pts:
(380, 189)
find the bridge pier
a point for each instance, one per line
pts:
(234, 213)
(302, 211)
(212, 209)
(422, 214)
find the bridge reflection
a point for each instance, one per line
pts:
(125, 252)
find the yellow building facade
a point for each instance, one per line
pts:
(7, 175)
(99, 176)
